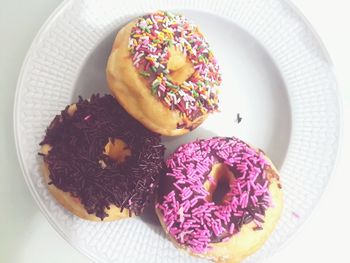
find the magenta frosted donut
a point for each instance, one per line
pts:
(220, 198)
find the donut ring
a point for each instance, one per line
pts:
(226, 229)
(100, 163)
(163, 72)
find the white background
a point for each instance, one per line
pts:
(26, 236)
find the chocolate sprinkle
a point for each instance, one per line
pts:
(78, 143)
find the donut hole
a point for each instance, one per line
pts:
(117, 150)
(179, 66)
(45, 149)
(72, 109)
(218, 183)
(223, 187)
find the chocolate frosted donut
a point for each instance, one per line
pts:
(100, 163)
(220, 198)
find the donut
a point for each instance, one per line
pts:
(163, 72)
(220, 199)
(99, 162)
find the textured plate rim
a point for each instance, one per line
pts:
(338, 95)
(46, 25)
(60, 8)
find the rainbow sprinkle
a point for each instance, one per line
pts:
(149, 44)
(193, 220)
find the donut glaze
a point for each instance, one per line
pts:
(233, 227)
(100, 163)
(163, 72)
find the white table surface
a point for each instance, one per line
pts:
(26, 236)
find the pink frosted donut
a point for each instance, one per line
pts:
(219, 199)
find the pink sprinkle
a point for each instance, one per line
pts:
(174, 231)
(238, 214)
(226, 239)
(239, 188)
(259, 216)
(177, 186)
(171, 194)
(136, 55)
(186, 206)
(219, 215)
(296, 215)
(194, 201)
(87, 117)
(254, 199)
(232, 229)
(258, 224)
(211, 180)
(170, 224)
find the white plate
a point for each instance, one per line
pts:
(276, 75)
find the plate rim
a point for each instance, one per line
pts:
(340, 108)
(46, 25)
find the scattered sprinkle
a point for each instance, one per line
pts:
(296, 215)
(239, 118)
